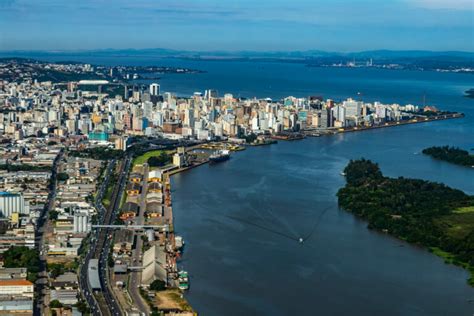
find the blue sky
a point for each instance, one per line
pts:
(332, 25)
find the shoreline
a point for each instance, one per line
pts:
(170, 173)
(417, 120)
(314, 132)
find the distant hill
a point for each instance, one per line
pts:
(410, 59)
(308, 54)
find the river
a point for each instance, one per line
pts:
(343, 268)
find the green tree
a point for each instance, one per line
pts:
(53, 215)
(250, 138)
(158, 285)
(62, 176)
(55, 304)
(160, 160)
(56, 269)
(22, 257)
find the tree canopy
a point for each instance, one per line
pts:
(417, 211)
(158, 161)
(451, 154)
(158, 285)
(98, 153)
(22, 257)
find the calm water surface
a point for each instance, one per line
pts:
(343, 268)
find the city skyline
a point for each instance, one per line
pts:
(238, 25)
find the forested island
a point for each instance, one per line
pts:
(454, 155)
(426, 213)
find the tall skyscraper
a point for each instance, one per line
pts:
(154, 89)
(210, 94)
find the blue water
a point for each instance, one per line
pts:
(344, 268)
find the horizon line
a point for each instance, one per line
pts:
(314, 50)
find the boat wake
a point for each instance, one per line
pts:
(289, 233)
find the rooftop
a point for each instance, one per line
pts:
(15, 283)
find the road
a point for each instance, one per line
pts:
(83, 279)
(38, 306)
(104, 239)
(135, 276)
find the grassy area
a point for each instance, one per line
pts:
(467, 209)
(108, 196)
(172, 298)
(449, 258)
(457, 225)
(123, 198)
(110, 189)
(144, 158)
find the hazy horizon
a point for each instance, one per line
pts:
(230, 51)
(211, 25)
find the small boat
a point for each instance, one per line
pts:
(179, 242)
(343, 173)
(219, 156)
(183, 281)
(183, 286)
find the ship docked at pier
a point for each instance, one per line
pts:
(219, 156)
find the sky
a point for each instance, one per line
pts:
(258, 25)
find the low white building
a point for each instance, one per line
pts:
(16, 287)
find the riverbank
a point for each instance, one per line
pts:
(177, 171)
(420, 212)
(398, 123)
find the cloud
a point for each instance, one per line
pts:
(445, 4)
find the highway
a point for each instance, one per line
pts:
(104, 239)
(83, 279)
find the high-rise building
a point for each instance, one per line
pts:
(210, 94)
(353, 107)
(324, 118)
(339, 113)
(189, 118)
(154, 89)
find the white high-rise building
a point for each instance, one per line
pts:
(189, 118)
(147, 108)
(353, 107)
(154, 89)
(339, 113)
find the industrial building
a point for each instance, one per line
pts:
(16, 306)
(154, 265)
(81, 223)
(12, 203)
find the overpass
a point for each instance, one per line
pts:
(135, 227)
